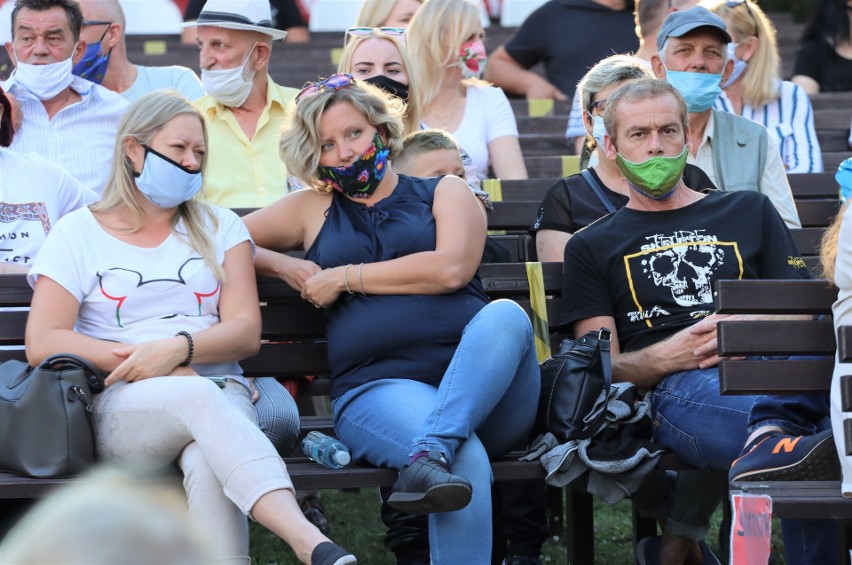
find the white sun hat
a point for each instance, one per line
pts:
(250, 15)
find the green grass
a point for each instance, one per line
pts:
(355, 523)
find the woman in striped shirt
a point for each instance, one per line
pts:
(755, 90)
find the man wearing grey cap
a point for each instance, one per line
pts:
(736, 153)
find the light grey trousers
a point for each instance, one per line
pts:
(227, 462)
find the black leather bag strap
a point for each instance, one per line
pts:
(604, 340)
(604, 336)
(62, 361)
(596, 188)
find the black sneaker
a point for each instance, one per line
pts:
(426, 485)
(781, 457)
(329, 553)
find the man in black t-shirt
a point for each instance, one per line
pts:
(568, 37)
(647, 272)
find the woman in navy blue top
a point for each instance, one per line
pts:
(429, 377)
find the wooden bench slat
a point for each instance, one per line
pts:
(305, 475)
(498, 278)
(817, 212)
(775, 376)
(844, 343)
(776, 337)
(802, 499)
(12, 326)
(807, 240)
(804, 186)
(287, 360)
(15, 291)
(19, 354)
(813, 296)
(847, 435)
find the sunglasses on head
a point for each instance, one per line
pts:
(334, 82)
(368, 31)
(735, 3)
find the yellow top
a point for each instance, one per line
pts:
(242, 173)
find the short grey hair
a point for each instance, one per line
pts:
(609, 72)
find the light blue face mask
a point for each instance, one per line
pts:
(166, 183)
(739, 65)
(843, 176)
(598, 130)
(699, 90)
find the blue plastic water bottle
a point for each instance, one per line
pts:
(325, 450)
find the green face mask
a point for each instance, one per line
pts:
(657, 177)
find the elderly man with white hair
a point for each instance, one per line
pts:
(243, 107)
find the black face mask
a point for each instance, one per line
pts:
(390, 86)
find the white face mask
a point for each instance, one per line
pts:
(739, 65)
(165, 183)
(598, 130)
(45, 81)
(229, 87)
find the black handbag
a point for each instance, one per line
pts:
(44, 416)
(571, 383)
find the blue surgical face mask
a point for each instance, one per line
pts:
(598, 130)
(166, 183)
(93, 65)
(739, 65)
(700, 90)
(843, 176)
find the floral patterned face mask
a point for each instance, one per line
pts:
(472, 58)
(361, 178)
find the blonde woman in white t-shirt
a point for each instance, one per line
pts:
(152, 285)
(447, 53)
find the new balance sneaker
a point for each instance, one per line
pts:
(426, 485)
(781, 457)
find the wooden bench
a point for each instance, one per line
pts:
(293, 347)
(815, 337)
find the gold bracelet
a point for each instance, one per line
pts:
(346, 279)
(360, 280)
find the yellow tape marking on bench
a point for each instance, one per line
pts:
(154, 47)
(570, 165)
(494, 189)
(538, 305)
(336, 53)
(539, 107)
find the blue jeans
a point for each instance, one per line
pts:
(484, 407)
(708, 430)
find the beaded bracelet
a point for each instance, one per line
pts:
(346, 278)
(191, 348)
